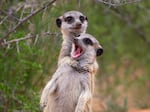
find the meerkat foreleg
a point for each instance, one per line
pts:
(49, 89)
(84, 97)
(64, 55)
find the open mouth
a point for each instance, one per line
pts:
(77, 50)
(76, 28)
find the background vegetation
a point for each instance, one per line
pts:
(123, 80)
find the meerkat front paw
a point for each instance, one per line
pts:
(88, 68)
(43, 100)
(43, 105)
(74, 63)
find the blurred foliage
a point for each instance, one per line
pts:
(124, 71)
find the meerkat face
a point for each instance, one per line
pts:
(72, 22)
(86, 46)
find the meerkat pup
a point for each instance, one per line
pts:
(70, 89)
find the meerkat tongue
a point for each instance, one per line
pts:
(77, 53)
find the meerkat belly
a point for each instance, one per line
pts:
(68, 91)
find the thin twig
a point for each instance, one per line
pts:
(25, 19)
(9, 14)
(29, 36)
(17, 46)
(36, 39)
(79, 3)
(118, 2)
(2, 21)
(18, 40)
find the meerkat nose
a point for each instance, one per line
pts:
(78, 24)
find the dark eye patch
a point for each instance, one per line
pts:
(82, 18)
(69, 19)
(87, 41)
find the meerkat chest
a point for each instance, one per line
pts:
(71, 79)
(70, 84)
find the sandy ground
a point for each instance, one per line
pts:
(138, 110)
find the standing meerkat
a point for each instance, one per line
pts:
(70, 89)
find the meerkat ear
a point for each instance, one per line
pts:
(86, 18)
(58, 22)
(99, 51)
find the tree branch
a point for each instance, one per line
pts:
(24, 20)
(17, 40)
(29, 36)
(116, 3)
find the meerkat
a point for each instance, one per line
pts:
(70, 89)
(72, 24)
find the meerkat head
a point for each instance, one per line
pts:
(72, 22)
(86, 47)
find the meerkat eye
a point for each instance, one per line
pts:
(82, 18)
(69, 19)
(87, 41)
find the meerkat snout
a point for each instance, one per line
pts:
(78, 25)
(72, 22)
